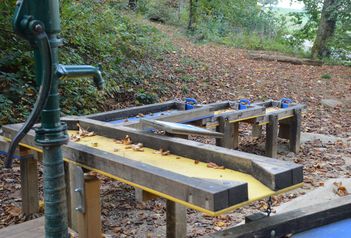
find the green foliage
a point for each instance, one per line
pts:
(146, 98)
(326, 76)
(94, 33)
(340, 43)
(159, 10)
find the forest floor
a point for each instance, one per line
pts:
(209, 73)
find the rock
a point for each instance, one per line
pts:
(331, 103)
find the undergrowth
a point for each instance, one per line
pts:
(94, 33)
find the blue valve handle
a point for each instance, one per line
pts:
(243, 103)
(189, 102)
(285, 102)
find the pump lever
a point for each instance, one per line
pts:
(40, 39)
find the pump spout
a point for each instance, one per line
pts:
(81, 71)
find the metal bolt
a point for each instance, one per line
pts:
(38, 28)
(79, 209)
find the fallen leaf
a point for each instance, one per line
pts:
(14, 211)
(214, 166)
(340, 189)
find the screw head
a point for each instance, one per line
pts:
(38, 28)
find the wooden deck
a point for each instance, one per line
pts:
(29, 229)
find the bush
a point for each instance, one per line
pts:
(94, 33)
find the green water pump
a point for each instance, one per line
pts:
(38, 21)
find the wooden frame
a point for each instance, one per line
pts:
(182, 115)
(206, 194)
(292, 222)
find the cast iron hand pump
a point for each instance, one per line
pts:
(38, 21)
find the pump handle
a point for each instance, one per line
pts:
(41, 41)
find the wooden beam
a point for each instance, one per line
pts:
(272, 136)
(230, 131)
(89, 222)
(29, 182)
(292, 222)
(176, 220)
(295, 131)
(133, 111)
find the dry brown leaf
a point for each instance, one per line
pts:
(84, 133)
(196, 161)
(214, 166)
(340, 189)
(14, 211)
(164, 153)
(138, 147)
(127, 140)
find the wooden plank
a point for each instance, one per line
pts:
(293, 222)
(295, 131)
(230, 132)
(29, 229)
(272, 136)
(252, 111)
(175, 220)
(132, 111)
(89, 222)
(29, 182)
(181, 116)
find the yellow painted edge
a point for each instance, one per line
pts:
(247, 118)
(182, 202)
(265, 123)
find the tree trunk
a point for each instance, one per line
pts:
(326, 28)
(132, 4)
(192, 14)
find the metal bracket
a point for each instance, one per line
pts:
(79, 190)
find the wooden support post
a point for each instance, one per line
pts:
(89, 222)
(284, 129)
(29, 182)
(231, 134)
(176, 220)
(256, 130)
(295, 131)
(272, 136)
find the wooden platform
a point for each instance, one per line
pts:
(29, 229)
